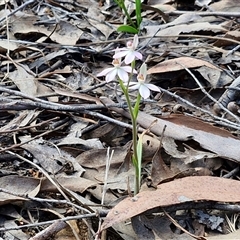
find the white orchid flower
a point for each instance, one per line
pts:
(117, 70)
(129, 52)
(143, 87)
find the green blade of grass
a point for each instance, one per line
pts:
(127, 29)
(138, 12)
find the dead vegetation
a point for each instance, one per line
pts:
(65, 135)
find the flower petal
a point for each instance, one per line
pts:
(117, 50)
(134, 71)
(129, 57)
(138, 55)
(143, 69)
(111, 75)
(152, 87)
(128, 69)
(144, 91)
(104, 72)
(134, 85)
(141, 77)
(121, 54)
(123, 75)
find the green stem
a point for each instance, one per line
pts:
(136, 106)
(134, 136)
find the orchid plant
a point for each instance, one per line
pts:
(124, 76)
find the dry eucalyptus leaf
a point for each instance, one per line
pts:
(97, 192)
(160, 171)
(65, 33)
(14, 234)
(235, 35)
(20, 186)
(211, 75)
(21, 120)
(98, 22)
(96, 158)
(184, 28)
(74, 138)
(184, 18)
(226, 6)
(177, 64)
(24, 79)
(53, 159)
(183, 190)
(71, 182)
(125, 230)
(6, 45)
(121, 172)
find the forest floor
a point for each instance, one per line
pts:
(65, 135)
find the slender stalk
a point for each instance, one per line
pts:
(134, 136)
(136, 106)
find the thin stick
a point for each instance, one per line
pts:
(50, 230)
(89, 215)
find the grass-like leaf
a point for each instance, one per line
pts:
(127, 29)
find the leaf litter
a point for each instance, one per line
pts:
(58, 122)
